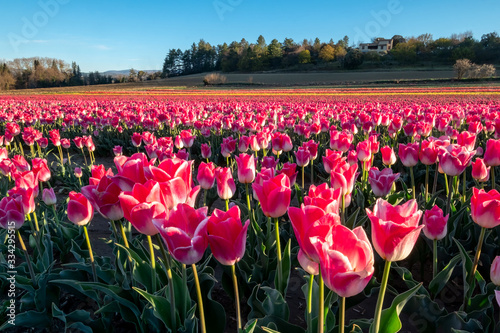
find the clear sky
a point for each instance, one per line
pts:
(115, 35)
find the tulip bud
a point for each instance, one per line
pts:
(495, 271)
(78, 172)
(435, 223)
(49, 197)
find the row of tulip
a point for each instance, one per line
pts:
(156, 194)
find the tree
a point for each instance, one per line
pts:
(344, 42)
(6, 78)
(304, 57)
(275, 53)
(327, 53)
(405, 52)
(132, 75)
(461, 67)
(353, 59)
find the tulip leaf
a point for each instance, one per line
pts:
(141, 269)
(161, 308)
(467, 267)
(299, 194)
(249, 327)
(74, 320)
(457, 321)
(31, 319)
(441, 279)
(389, 321)
(351, 221)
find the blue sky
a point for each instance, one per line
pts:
(108, 34)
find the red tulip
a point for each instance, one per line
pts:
(454, 159)
(395, 229)
(346, 260)
(312, 147)
(11, 212)
(435, 223)
(49, 197)
(225, 183)
(142, 205)
(227, 236)
(206, 175)
(324, 197)
(408, 154)
(80, 211)
(246, 168)
(480, 171)
(55, 137)
(388, 156)
(485, 208)
(381, 181)
(184, 231)
(274, 195)
(492, 153)
(78, 142)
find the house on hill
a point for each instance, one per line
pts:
(379, 45)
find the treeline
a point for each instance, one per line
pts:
(24, 73)
(261, 56)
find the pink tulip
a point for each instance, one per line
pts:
(206, 151)
(41, 169)
(331, 159)
(341, 140)
(136, 139)
(246, 168)
(302, 157)
(328, 199)
(408, 154)
(184, 231)
(467, 140)
(435, 223)
(454, 159)
(485, 208)
(227, 236)
(187, 138)
(28, 196)
(428, 154)
(381, 181)
(310, 221)
(395, 229)
(206, 175)
(274, 195)
(492, 155)
(495, 271)
(225, 183)
(141, 205)
(11, 212)
(79, 211)
(480, 171)
(388, 156)
(104, 197)
(118, 150)
(364, 150)
(346, 260)
(289, 169)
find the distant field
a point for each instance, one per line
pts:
(261, 80)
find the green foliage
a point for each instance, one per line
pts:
(353, 59)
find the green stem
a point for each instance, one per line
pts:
(200, 299)
(302, 178)
(26, 254)
(153, 264)
(166, 259)
(426, 183)
(236, 296)
(124, 236)
(278, 251)
(205, 192)
(464, 186)
(381, 295)
(436, 174)
(85, 157)
(248, 201)
(448, 205)
(412, 182)
(309, 303)
(90, 252)
(312, 171)
(492, 172)
(470, 278)
(321, 313)
(227, 205)
(434, 258)
(446, 184)
(342, 315)
(343, 209)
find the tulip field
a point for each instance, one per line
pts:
(269, 210)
